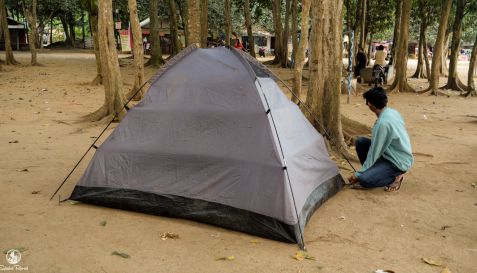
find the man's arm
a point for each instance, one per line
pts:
(380, 141)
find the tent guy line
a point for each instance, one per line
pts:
(93, 145)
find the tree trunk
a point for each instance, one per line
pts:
(9, 58)
(370, 46)
(204, 8)
(112, 80)
(248, 25)
(185, 19)
(93, 15)
(71, 25)
(348, 14)
(400, 80)
(362, 37)
(66, 30)
(39, 37)
(193, 9)
(51, 30)
(83, 38)
(138, 52)
(396, 34)
(277, 24)
(443, 70)
(422, 48)
(356, 28)
(300, 53)
(349, 27)
(439, 46)
(173, 27)
(453, 81)
(470, 74)
(228, 21)
(286, 34)
(325, 70)
(156, 59)
(426, 56)
(294, 30)
(30, 13)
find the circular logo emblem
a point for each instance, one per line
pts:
(13, 256)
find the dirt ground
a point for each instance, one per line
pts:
(433, 216)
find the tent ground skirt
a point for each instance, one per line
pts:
(187, 208)
(208, 212)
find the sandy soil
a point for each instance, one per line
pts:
(433, 216)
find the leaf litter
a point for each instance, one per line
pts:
(302, 255)
(169, 235)
(227, 258)
(121, 254)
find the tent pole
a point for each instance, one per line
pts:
(284, 167)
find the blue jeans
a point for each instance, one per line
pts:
(381, 174)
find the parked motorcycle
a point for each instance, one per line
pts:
(380, 75)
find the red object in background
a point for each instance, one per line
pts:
(238, 44)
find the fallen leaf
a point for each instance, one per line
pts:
(103, 223)
(446, 270)
(22, 170)
(35, 192)
(120, 254)
(302, 255)
(21, 249)
(169, 235)
(431, 262)
(474, 185)
(228, 258)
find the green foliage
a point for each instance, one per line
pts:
(380, 18)
(468, 25)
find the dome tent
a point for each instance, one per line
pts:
(216, 141)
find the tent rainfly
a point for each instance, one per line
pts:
(216, 141)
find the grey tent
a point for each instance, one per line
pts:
(216, 141)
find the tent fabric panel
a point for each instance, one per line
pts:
(198, 139)
(304, 150)
(188, 208)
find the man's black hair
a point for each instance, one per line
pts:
(377, 97)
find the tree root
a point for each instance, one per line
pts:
(97, 115)
(397, 88)
(154, 64)
(455, 85)
(97, 81)
(12, 62)
(435, 92)
(470, 93)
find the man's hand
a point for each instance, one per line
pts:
(353, 179)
